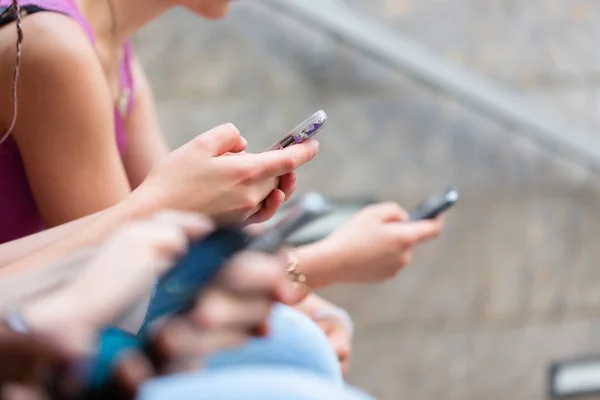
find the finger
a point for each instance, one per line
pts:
(262, 330)
(326, 325)
(255, 230)
(387, 212)
(131, 372)
(415, 232)
(345, 367)
(341, 343)
(222, 139)
(287, 184)
(180, 339)
(343, 350)
(252, 273)
(194, 225)
(269, 207)
(406, 257)
(281, 162)
(217, 309)
(182, 365)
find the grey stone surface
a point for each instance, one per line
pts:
(512, 284)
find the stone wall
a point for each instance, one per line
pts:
(512, 284)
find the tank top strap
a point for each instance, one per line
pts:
(66, 7)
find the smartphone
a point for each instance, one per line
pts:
(435, 205)
(176, 291)
(305, 130)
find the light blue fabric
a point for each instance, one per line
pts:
(294, 342)
(248, 383)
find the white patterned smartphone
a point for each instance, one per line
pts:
(305, 130)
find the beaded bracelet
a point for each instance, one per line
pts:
(297, 277)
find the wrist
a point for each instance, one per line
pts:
(58, 318)
(141, 203)
(319, 261)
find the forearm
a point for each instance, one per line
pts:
(18, 249)
(19, 289)
(81, 237)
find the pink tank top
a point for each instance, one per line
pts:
(19, 215)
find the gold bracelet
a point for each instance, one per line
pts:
(297, 277)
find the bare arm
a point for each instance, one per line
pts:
(65, 127)
(145, 143)
(17, 249)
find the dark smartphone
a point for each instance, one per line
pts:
(176, 291)
(435, 205)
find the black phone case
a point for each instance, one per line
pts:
(177, 290)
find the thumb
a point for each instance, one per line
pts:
(387, 212)
(414, 232)
(222, 139)
(277, 163)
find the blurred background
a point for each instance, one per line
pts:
(512, 284)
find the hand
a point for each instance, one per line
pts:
(373, 246)
(335, 324)
(267, 209)
(196, 177)
(234, 308)
(123, 271)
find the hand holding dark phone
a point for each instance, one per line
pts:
(435, 205)
(177, 291)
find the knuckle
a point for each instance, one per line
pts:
(199, 143)
(174, 239)
(344, 350)
(396, 209)
(288, 164)
(230, 129)
(406, 259)
(209, 312)
(260, 312)
(248, 170)
(249, 202)
(408, 239)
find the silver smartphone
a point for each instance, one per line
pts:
(300, 213)
(305, 130)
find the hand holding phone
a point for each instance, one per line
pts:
(176, 291)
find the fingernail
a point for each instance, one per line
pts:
(245, 141)
(315, 144)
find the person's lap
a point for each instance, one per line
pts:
(294, 342)
(248, 383)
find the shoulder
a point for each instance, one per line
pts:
(57, 44)
(59, 72)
